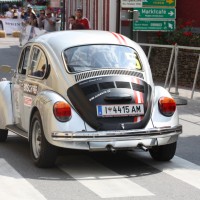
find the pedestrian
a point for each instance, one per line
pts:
(9, 13)
(27, 13)
(32, 20)
(73, 25)
(41, 18)
(22, 15)
(82, 20)
(15, 12)
(71, 21)
(49, 22)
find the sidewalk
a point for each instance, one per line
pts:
(186, 93)
(8, 41)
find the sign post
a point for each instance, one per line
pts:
(63, 20)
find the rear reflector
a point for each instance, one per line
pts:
(167, 106)
(62, 111)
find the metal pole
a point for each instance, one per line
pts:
(195, 79)
(176, 74)
(137, 36)
(149, 53)
(64, 13)
(62, 5)
(120, 16)
(173, 70)
(169, 67)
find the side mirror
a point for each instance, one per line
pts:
(5, 69)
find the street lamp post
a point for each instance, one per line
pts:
(63, 19)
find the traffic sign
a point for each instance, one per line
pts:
(159, 3)
(152, 25)
(131, 3)
(156, 13)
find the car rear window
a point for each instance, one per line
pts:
(92, 57)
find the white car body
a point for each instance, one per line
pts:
(85, 88)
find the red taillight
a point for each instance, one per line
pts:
(167, 106)
(62, 111)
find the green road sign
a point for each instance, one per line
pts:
(131, 3)
(165, 3)
(143, 25)
(157, 13)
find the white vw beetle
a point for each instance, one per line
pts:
(87, 90)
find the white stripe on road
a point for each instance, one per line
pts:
(179, 168)
(101, 180)
(13, 186)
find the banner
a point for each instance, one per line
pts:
(28, 32)
(11, 25)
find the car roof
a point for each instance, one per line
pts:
(61, 40)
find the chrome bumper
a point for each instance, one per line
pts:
(118, 139)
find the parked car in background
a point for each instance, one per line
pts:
(87, 90)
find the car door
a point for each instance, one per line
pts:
(35, 80)
(18, 88)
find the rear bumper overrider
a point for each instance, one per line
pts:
(119, 139)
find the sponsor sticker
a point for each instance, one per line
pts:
(28, 101)
(30, 88)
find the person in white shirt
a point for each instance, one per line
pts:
(9, 13)
(49, 22)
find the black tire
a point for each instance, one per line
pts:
(42, 152)
(3, 135)
(164, 152)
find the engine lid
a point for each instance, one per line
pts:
(113, 102)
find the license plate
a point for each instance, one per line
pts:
(120, 110)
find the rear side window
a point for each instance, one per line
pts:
(38, 63)
(23, 64)
(92, 57)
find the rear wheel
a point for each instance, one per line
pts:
(43, 153)
(164, 152)
(3, 135)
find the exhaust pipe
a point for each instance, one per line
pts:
(111, 148)
(143, 147)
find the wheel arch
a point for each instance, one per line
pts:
(44, 103)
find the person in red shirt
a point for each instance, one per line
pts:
(82, 20)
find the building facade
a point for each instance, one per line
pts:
(105, 14)
(102, 14)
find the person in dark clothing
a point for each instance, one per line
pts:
(74, 25)
(40, 73)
